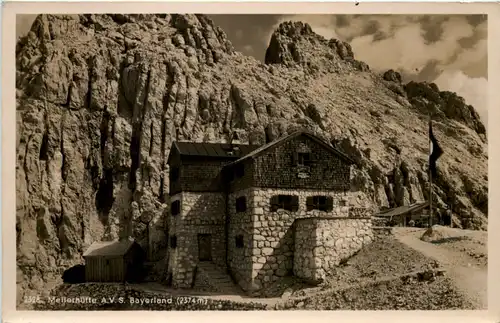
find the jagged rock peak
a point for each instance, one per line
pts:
(294, 44)
(426, 98)
(444, 104)
(195, 30)
(294, 29)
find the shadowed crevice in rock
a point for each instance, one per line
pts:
(135, 145)
(104, 133)
(44, 148)
(104, 197)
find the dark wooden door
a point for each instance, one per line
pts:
(205, 247)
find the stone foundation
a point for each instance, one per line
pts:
(321, 244)
(201, 213)
(260, 243)
(268, 251)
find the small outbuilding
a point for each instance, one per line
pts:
(114, 261)
(402, 215)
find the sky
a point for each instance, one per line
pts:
(449, 50)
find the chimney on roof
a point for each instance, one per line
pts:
(234, 139)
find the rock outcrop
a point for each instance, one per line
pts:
(100, 98)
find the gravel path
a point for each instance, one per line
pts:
(470, 278)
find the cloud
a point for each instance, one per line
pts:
(248, 49)
(473, 90)
(472, 61)
(400, 42)
(450, 50)
(407, 49)
(238, 34)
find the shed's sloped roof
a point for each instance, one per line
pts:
(109, 248)
(403, 209)
(224, 150)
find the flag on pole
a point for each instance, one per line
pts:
(435, 151)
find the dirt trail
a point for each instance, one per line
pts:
(471, 279)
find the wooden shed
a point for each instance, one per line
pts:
(114, 261)
(418, 212)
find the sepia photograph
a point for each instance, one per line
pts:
(251, 162)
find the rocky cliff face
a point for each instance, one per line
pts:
(100, 98)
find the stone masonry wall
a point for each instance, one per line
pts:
(241, 223)
(321, 244)
(201, 213)
(272, 248)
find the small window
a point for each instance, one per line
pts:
(174, 174)
(173, 242)
(241, 204)
(322, 203)
(286, 202)
(175, 207)
(303, 159)
(239, 170)
(239, 241)
(342, 203)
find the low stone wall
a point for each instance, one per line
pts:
(321, 244)
(381, 232)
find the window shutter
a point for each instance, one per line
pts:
(307, 159)
(310, 203)
(329, 203)
(312, 159)
(274, 203)
(294, 203)
(295, 158)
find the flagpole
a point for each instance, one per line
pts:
(430, 199)
(430, 179)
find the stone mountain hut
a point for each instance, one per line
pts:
(261, 213)
(113, 261)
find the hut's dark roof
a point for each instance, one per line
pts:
(109, 248)
(222, 150)
(262, 149)
(400, 210)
